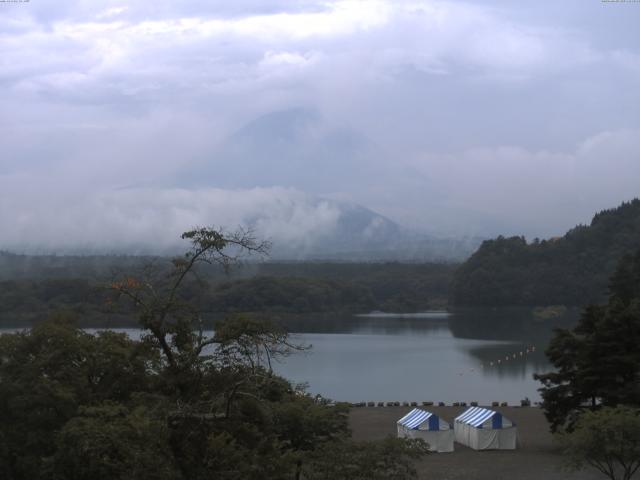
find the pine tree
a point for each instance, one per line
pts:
(598, 362)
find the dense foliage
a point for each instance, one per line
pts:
(290, 294)
(393, 286)
(607, 440)
(266, 288)
(176, 404)
(572, 270)
(75, 405)
(598, 362)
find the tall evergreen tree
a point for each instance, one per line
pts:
(598, 362)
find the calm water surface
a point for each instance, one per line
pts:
(468, 356)
(471, 355)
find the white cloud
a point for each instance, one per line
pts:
(491, 102)
(111, 12)
(283, 58)
(433, 36)
(536, 192)
(151, 220)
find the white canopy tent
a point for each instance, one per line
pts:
(429, 427)
(484, 429)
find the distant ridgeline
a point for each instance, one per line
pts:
(572, 270)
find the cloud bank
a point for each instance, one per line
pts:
(151, 220)
(480, 117)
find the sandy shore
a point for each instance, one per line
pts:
(535, 458)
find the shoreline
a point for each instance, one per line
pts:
(536, 456)
(428, 405)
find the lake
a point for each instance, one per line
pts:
(470, 355)
(481, 355)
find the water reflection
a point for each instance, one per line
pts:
(504, 324)
(465, 355)
(514, 323)
(526, 336)
(471, 354)
(375, 324)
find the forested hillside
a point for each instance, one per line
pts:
(41, 285)
(571, 270)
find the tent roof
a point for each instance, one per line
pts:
(415, 418)
(475, 416)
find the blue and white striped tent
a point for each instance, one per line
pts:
(428, 426)
(484, 429)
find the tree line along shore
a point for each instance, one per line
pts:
(568, 271)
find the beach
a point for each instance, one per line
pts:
(536, 456)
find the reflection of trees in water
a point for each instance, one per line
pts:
(516, 325)
(510, 323)
(347, 323)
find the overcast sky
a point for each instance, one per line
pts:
(460, 118)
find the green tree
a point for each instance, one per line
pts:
(111, 441)
(569, 270)
(178, 404)
(48, 373)
(164, 313)
(598, 362)
(607, 440)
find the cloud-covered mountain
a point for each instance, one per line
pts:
(291, 148)
(360, 234)
(150, 221)
(298, 148)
